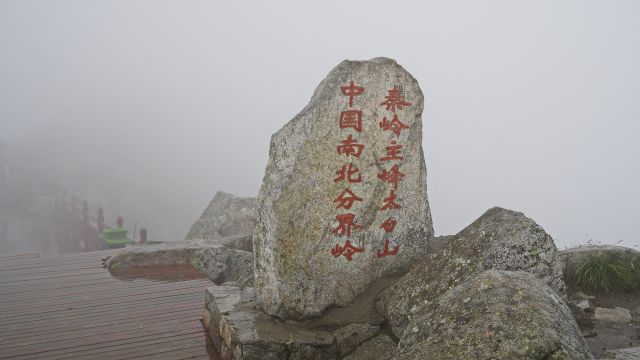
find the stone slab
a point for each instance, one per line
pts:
(239, 330)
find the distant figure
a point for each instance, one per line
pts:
(120, 221)
(72, 226)
(63, 197)
(85, 224)
(100, 220)
(85, 211)
(143, 235)
(74, 204)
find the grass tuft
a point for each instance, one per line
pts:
(607, 274)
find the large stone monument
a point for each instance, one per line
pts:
(343, 210)
(344, 197)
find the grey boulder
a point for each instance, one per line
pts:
(329, 188)
(500, 239)
(501, 315)
(226, 215)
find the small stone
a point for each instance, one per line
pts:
(226, 215)
(585, 306)
(617, 314)
(222, 264)
(380, 347)
(350, 336)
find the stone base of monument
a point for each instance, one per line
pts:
(238, 330)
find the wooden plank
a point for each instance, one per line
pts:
(183, 353)
(53, 276)
(20, 256)
(117, 305)
(80, 282)
(66, 278)
(31, 353)
(111, 287)
(168, 321)
(153, 330)
(88, 311)
(115, 350)
(69, 307)
(68, 300)
(59, 258)
(19, 265)
(59, 324)
(42, 331)
(9, 273)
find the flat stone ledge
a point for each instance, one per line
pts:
(617, 314)
(623, 354)
(214, 259)
(238, 330)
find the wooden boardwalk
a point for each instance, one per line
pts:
(69, 307)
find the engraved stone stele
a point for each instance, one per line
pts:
(333, 214)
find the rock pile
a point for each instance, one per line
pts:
(500, 240)
(345, 262)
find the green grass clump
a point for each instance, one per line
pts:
(607, 274)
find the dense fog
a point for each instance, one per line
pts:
(147, 108)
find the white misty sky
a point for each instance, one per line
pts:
(532, 106)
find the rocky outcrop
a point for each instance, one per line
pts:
(380, 347)
(222, 265)
(572, 258)
(604, 306)
(238, 331)
(218, 262)
(344, 196)
(226, 215)
(494, 315)
(500, 239)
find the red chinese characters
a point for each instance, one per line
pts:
(390, 202)
(395, 99)
(347, 250)
(395, 125)
(392, 176)
(348, 174)
(386, 251)
(351, 119)
(345, 223)
(394, 152)
(351, 91)
(388, 225)
(349, 147)
(346, 199)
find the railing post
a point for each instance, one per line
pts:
(143, 235)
